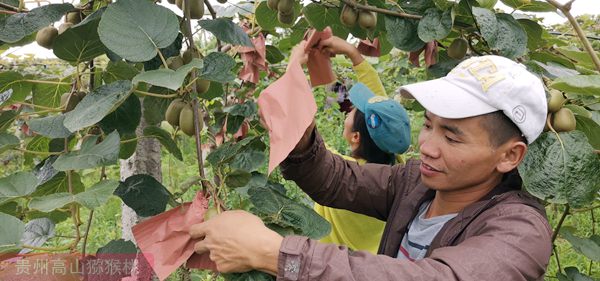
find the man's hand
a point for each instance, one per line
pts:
(336, 45)
(238, 242)
(298, 54)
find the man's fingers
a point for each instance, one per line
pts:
(198, 231)
(201, 248)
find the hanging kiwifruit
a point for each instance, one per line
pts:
(63, 27)
(196, 9)
(202, 86)
(74, 17)
(175, 62)
(179, 4)
(286, 7)
(458, 48)
(190, 54)
(285, 18)
(173, 111)
(171, 1)
(186, 120)
(564, 120)
(367, 19)
(348, 16)
(222, 1)
(272, 4)
(556, 100)
(68, 101)
(46, 36)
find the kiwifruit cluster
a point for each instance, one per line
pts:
(181, 114)
(350, 16)
(176, 62)
(561, 118)
(196, 8)
(68, 101)
(46, 36)
(285, 10)
(458, 48)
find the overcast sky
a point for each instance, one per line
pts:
(579, 7)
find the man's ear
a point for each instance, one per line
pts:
(512, 154)
(355, 139)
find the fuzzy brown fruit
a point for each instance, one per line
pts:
(171, 1)
(202, 86)
(74, 17)
(556, 101)
(272, 4)
(564, 120)
(196, 8)
(186, 120)
(46, 36)
(285, 18)
(367, 20)
(190, 54)
(348, 16)
(64, 26)
(285, 6)
(175, 62)
(179, 4)
(173, 111)
(69, 101)
(458, 48)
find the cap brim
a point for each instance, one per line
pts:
(445, 99)
(359, 95)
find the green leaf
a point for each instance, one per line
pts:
(234, 122)
(320, 17)
(8, 142)
(97, 104)
(97, 195)
(51, 202)
(17, 26)
(217, 67)
(227, 31)
(144, 194)
(267, 18)
(237, 178)
(168, 78)
(135, 30)
(275, 208)
(48, 95)
(567, 173)
(215, 91)
(10, 233)
(533, 6)
(274, 55)
(128, 145)
(165, 139)
(249, 161)
(170, 51)
(511, 39)
(435, 25)
(155, 107)
(125, 119)
(91, 155)
(17, 185)
(416, 7)
(488, 4)
(118, 246)
(589, 247)
(50, 126)
(590, 128)
(487, 23)
(119, 70)
(581, 58)
(79, 43)
(534, 33)
(573, 274)
(6, 120)
(578, 84)
(403, 34)
(59, 183)
(37, 232)
(253, 275)
(13, 88)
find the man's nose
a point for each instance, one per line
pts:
(430, 147)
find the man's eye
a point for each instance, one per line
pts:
(451, 140)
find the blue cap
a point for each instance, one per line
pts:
(387, 121)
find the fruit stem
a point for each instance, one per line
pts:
(355, 5)
(46, 109)
(162, 58)
(560, 222)
(155, 95)
(37, 152)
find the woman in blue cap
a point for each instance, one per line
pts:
(376, 130)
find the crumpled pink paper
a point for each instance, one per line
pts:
(431, 52)
(255, 59)
(165, 240)
(368, 48)
(319, 63)
(288, 107)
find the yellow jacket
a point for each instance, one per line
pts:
(358, 232)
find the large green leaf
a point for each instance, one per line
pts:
(275, 208)
(59, 183)
(530, 6)
(534, 33)
(578, 84)
(265, 17)
(580, 58)
(237, 178)
(168, 78)
(487, 23)
(51, 202)
(227, 31)
(97, 104)
(13, 88)
(10, 233)
(129, 144)
(79, 43)
(47, 94)
(135, 30)
(590, 128)
(91, 155)
(511, 39)
(119, 70)
(37, 232)
(589, 247)
(6, 119)
(165, 139)
(170, 51)
(274, 55)
(217, 67)
(118, 246)
(435, 25)
(573, 274)
(567, 172)
(403, 34)
(125, 119)
(17, 185)
(320, 17)
(144, 194)
(50, 126)
(94, 197)
(249, 160)
(8, 141)
(155, 107)
(17, 26)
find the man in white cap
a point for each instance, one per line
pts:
(458, 213)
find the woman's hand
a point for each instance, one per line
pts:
(298, 54)
(336, 45)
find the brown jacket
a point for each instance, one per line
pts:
(503, 236)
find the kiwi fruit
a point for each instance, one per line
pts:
(74, 17)
(171, 1)
(285, 6)
(175, 62)
(202, 86)
(64, 26)
(45, 37)
(564, 120)
(458, 48)
(556, 101)
(186, 120)
(367, 20)
(348, 16)
(68, 101)
(196, 8)
(190, 54)
(272, 4)
(173, 111)
(222, 1)
(285, 18)
(179, 4)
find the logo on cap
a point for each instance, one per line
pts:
(378, 99)
(374, 121)
(519, 114)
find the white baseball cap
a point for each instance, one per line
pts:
(486, 84)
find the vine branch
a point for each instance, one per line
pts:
(155, 95)
(356, 5)
(10, 7)
(560, 222)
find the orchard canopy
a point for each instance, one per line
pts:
(132, 71)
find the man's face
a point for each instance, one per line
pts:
(456, 154)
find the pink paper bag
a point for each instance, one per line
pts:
(165, 240)
(368, 48)
(288, 107)
(319, 63)
(254, 59)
